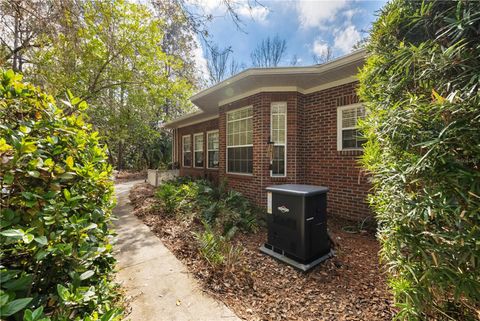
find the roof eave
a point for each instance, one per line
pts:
(335, 63)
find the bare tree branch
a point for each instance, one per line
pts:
(269, 52)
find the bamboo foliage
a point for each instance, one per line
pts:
(421, 89)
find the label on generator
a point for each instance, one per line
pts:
(269, 202)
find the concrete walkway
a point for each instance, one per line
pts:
(159, 285)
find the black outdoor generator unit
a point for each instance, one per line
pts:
(297, 225)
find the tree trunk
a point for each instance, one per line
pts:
(16, 40)
(120, 156)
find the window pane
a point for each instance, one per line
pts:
(281, 122)
(186, 143)
(236, 139)
(239, 128)
(348, 118)
(213, 159)
(278, 164)
(349, 138)
(279, 116)
(198, 159)
(240, 159)
(212, 141)
(198, 143)
(249, 138)
(187, 159)
(281, 137)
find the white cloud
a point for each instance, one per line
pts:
(351, 12)
(320, 47)
(200, 60)
(317, 13)
(257, 13)
(345, 39)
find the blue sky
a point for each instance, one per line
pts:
(307, 26)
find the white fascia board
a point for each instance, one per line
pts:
(201, 120)
(288, 89)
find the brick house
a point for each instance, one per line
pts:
(267, 126)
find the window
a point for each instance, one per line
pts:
(198, 150)
(212, 149)
(348, 135)
(278, 135)
(187, 151)
(240, 141)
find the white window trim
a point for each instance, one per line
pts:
(339, 126)
(226, 142)
(195, 150)
(183, 149)
(271, 135)
(213, 150)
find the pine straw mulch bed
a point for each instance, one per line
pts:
(349, 286)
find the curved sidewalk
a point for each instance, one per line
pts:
(157, 285)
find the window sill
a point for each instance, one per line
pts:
(240, 175)
(351, 151)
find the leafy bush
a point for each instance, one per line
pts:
(421, 88)
(179, 198)
(224, 210)
(217, 250)
(56, 200)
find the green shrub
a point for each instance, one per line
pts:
(421, 87)
(179, 198)
(167, 194)
(224, 210)
(56, 200)
(217, 250)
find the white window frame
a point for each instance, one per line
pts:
(284, 103)
(226, 142)
(213, 150)
(200, 150)
(183, 149)
(340, 129)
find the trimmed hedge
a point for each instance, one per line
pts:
(56, 201)
(421, 86)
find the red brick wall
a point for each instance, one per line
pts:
(203, 127)
(312, 156)
(324, 165)
(253, 186)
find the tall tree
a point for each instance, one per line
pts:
(131, 62)
(218, 63)
(111, 55)
(269, 52)
(23, 27)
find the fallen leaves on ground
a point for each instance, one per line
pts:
(350, 286)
